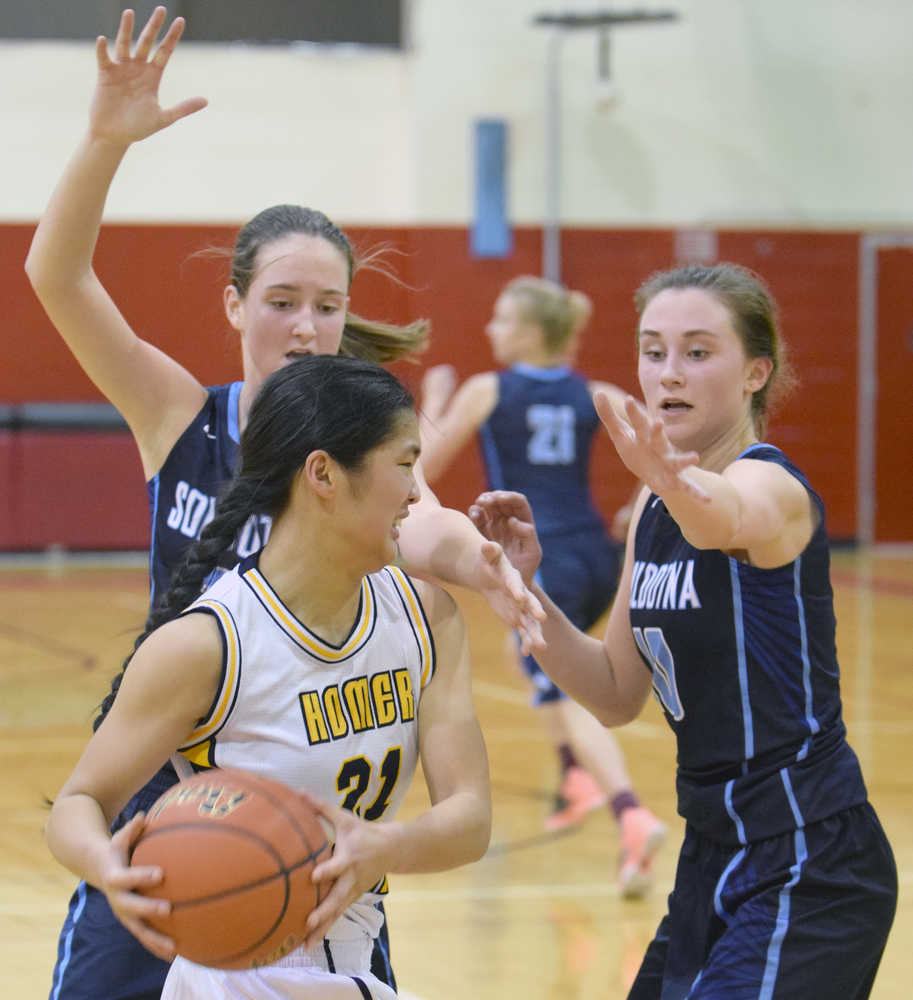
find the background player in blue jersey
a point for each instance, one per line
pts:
(535, 422)
(288, 296)
(786, 885)
(329, 451)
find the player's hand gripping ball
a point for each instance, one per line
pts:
(237, 851)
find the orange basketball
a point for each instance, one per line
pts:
(237, 851)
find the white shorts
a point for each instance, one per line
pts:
(301, 975)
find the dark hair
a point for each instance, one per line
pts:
(372, 340)
(344, 406)
(754, 316)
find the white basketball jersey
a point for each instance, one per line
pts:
(338, 721)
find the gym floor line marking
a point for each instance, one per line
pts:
(85, 659)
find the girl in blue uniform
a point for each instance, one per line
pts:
(288, 297)
(786, 885)
(535, 422)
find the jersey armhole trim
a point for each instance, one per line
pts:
(230, 681)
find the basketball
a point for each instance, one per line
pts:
(237, 851)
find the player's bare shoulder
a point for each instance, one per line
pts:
(446, 622)
(440, 608)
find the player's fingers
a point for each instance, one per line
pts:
(101, 53)
(480, 518)
(535, 611)
(329, 869)
(159, 944)
(149, 34)
(169, 42)
(130, 832)
(605, 410)
(491, 551)
(135, 906)
(140, 877)
(124, 36)
(183, 109)
(521, 528)
(685, 458)
(323, 916)
(531, 638)
(656, 436)
(637, 417)
(125, 877)
(633, 407)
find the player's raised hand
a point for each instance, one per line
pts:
(125, 107)
(502, 584)
(438, 385)
(505, 517)
(643, 446)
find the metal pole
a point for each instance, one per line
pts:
(867, 388)
(551, 228)
(558, 23)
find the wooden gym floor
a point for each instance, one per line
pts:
(539, 917)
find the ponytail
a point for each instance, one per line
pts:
(373, 340)
(200, 560)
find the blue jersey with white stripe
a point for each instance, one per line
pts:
(537, 441)
(744, 664)
(183, 494)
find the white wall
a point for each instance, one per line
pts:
(777, 112)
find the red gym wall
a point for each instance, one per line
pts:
(85, 490)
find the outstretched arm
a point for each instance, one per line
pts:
(750, 506)
(442, 544)
(449, 423)
(156, 396)
(608, 677)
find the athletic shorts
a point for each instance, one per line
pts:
(336, 970)
(802, 915)
(97, 957)
(579, 572)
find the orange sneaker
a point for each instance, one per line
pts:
(578, 795)
(642, 835)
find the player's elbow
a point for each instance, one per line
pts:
(478, 832)
(50, 286)
(36, 273)
(619, 714)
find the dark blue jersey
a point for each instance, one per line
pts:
(744, 664)
(537, 441)
(183, 494)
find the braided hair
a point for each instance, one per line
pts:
(344, 406)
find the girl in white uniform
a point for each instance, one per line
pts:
(315, 663)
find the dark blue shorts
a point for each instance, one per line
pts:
(579, 572)
(99, 959)
(805, 914)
